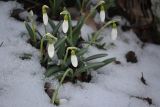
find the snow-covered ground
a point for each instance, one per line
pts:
(115, 85)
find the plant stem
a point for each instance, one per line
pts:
(54, 97)
(100, 30)
(41, 48)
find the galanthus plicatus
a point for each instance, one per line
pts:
(50, 47)
(74, 59)
(102, 13)
(114, 31)
(45, 16)
(65, 24)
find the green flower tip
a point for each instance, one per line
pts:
(44, 9)
(65, 12)
(73, 52)
(101, 2)
(114, 25)
(51, 38)
(65, 17)
(102, 8)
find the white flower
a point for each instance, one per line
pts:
(45, 19)
(31, 13)
(102, 13)
(50, 47)
(51, 50)
(74, 59)
(65, 25)
(114, 33)
(45, 16)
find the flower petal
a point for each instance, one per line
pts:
(74, 60)
(51, 50)
(65, 26)
(102, 15)
(45, 18)
(114, 34)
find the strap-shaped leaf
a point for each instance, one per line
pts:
(96, 65)
(30, 31)
(95, 57)
(82, 51)
(77, 30)
(106, 62)
(79, 25)
(60, 41)
(51, 71)
(52, 24)
(90, 66)
(61, 50)
(55, 30)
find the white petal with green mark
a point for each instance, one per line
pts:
(45, 19)
(74, 60)
(65, 26)
(114, 34)
(102, 15)
(51, 50)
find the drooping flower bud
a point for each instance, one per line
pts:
(51, 50)
(74, 59)
(114, 32)
(50, 46)
(102, 13)
(45, 16)
(65, 25)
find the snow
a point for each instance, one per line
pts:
(22, 81)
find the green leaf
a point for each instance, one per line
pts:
(106, 62)
(95, 65)
(95, 57)
(55, 30)
(52, 24)
(51, 71)
(82, 51)
(60, 41)
(78, 4)
(30, 31)
(90, 66)
(77, 30)
(61, 50)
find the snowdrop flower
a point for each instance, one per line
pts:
(51, 50)
(74, 59)
(31, 13)
(114, 32)
(65, 25)
(50, 46)
(102, 13)
(45, 16)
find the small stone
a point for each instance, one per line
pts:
(49, 92)
(47, 85)
(131, 57)
(117, 62)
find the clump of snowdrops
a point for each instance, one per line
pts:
(62, 51)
